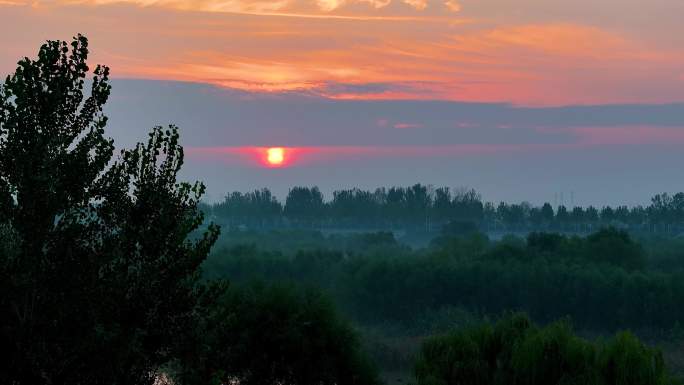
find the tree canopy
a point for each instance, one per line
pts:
(99, 277)
(515, 351)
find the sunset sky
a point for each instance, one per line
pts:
(519, 99)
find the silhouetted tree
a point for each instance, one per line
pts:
(100, 283)
(304, 205)
(562, 216)
(547, 213)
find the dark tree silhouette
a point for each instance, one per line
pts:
(304, 205)
(98, 273)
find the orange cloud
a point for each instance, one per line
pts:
(297, 8)
(453, 5)
(417, 4)
(407, 125)
(360, 49)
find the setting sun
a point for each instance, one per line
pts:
(275, 156)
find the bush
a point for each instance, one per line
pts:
(277, 334)
(514, 351)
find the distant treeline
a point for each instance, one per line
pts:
(426, 208)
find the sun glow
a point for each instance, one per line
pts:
(275, 156)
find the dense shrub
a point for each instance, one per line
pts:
(516, 352)
(276, 334)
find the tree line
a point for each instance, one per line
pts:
(422, 207)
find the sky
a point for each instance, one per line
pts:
(519, 99)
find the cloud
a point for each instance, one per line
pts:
(375, 91)
(217, 117)
(453, 5)
(296, 8)
(361, 50)
(407, 125)
(329, 5)
(417, 4)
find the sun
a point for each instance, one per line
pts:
(275, 156)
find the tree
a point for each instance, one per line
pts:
(256, 208)
(615, 247)
(101, 281)
(607, 215)
(547, 213)
(562, 216)
(304, 204)
(278, 334)
(467, 205)
(515, 351)
(354, 207)
(442, 206)
(591, 214)
(418, 200)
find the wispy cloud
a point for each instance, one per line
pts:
(331, 9)
(360, 49)
(407, 125)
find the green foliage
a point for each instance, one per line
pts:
(553, 355)
(258, 209)
(514, 351)
(459, 228)
(290, 242)
(99, 279)
(624, 360)
(279, 334)
(607, 246)
(304, 205)
(464, 246)
(549, 276)
(663, 253)
(615, 247)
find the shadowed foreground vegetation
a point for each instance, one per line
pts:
(514, 351)
(107, 275)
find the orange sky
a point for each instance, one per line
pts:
(527, 52)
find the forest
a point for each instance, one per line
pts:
(425, 208)
(112, 271)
